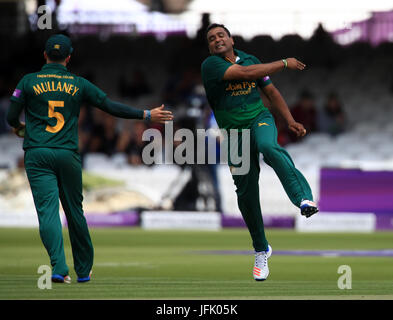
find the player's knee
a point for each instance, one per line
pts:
(271, 154)
(265, 147)
(47, 229)
(244, 194)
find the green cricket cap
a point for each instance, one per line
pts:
(58, 47)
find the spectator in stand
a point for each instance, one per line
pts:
(283, 134)
(85, 128)
(5, 91)
(137, 87)
(104, 135)
(332, 118)
(180, 86)
(135, 143)
(305, 112)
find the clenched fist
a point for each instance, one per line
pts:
(20, 131)
(297, 128)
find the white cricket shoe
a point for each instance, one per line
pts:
(61, 279)
(261, 269)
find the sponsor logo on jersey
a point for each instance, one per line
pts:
(17, 93)
(241, 88)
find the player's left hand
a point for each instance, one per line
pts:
(20, 131)
(297, 128)
(160, 115)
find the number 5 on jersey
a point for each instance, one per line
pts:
(53, 114)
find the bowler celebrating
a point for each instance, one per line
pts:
(51, 99)
(231, 79)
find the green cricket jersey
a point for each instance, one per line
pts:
(52, 98)
(235, 103)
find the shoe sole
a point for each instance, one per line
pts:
(309, 211)
(81, 280)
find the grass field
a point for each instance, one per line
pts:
(131, 263)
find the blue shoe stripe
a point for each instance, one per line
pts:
(83, 279)
(306, 205)
(57, 277)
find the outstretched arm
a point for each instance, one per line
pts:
(120, 110)
(256, 71)
(278, 104)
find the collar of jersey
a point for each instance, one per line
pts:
(54, 66)
(242, 55)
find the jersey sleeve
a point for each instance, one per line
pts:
(13, 114)
(92, 94)
(213, 69)
(120, 110)
(19, 94)
(264, 81)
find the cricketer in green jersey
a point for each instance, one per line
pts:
(51, 99)
(231, 79)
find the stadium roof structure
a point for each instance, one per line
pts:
(279, 18)
(374, 30)
(125, 16)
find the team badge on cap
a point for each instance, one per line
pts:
(56, 46)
